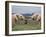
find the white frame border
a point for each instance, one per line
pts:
(26, 31)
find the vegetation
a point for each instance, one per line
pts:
(29, 26)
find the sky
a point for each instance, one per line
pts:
(25, 9)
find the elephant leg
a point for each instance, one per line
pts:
(13, 23)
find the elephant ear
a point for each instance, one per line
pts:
(39, 18)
